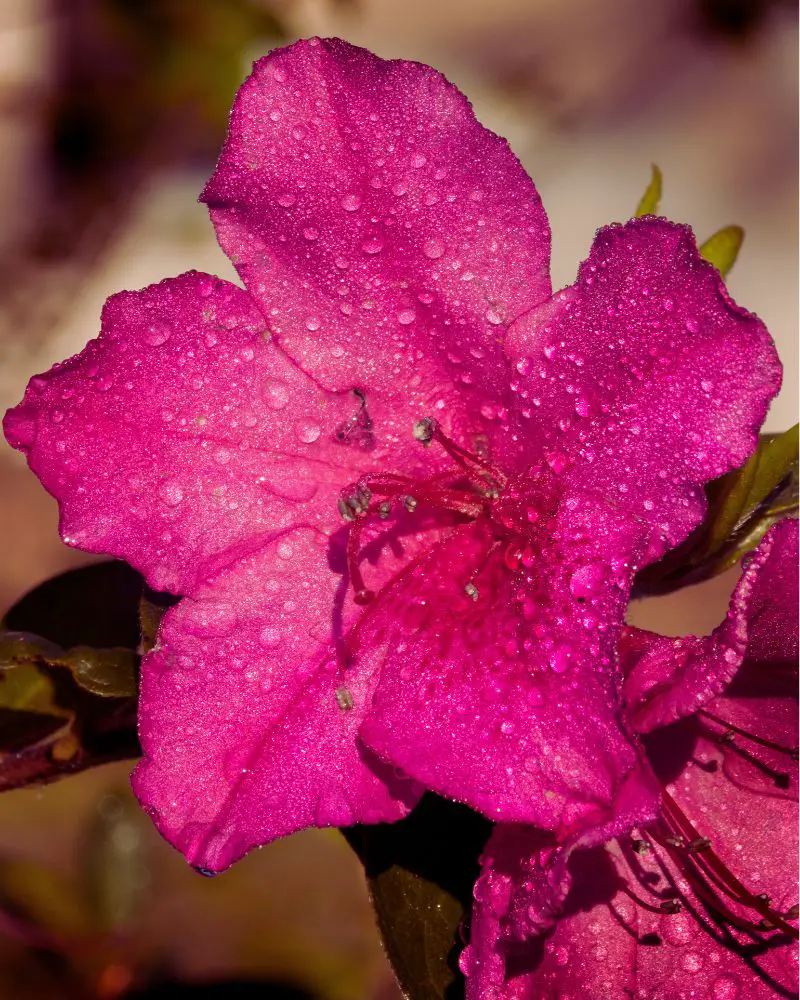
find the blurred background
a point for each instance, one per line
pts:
(111, 115)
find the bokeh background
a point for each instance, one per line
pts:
(111, 114)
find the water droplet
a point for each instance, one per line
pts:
(310, 233)
(270, 637)
(170, 492)
(433, 249)
(726, 988)
(406, 316)
(313, 323)
(351, 202)
(276, 395)
(561, 658)
(692, 325)
(279, 73)
(373, 245)
(588, 580)
(286, 199)
(307, 431)
(493, 316)
(158, 334)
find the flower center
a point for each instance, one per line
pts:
(470, 488)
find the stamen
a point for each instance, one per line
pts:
(344, 699)
(696, 859)
(427, 430)
(731, 730)
(423, 431)
(471, 591)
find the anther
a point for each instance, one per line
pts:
(765, 898)
(726, 737)
(640, 846)
(384, 510)
(471, 591)
(423, 430)
(678, 842)
(363, 596)
(793, 912)
(345, 510)
(698, 844)
(344, 699)
(671, 906)
(409, 503)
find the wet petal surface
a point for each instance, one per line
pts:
(495, 652)
(644, 380)
(386, 235)
(669, 678)
(249, 715)
(181, 437)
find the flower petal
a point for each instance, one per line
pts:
(668, 678)
(646, 378)
(526, 879)
(248, 717)
(386, 235)
(181, 437)
(508, 702)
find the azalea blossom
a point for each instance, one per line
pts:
(703, 902)
(401, 488)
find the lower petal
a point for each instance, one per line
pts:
(248, 717)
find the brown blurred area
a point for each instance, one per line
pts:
(111, 113)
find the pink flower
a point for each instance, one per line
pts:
(703, 902)
(459, 632)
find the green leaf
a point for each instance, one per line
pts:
(743, 506)
(52, 721)
(421, 872)
(111, 673)
(652, 197)
(745, 490)
(723, 248)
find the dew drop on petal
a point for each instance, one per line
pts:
(158, 333)
(307, 431)
(170, 492)
(406, 316)
(270, 637)
(493, 316)
(726, 988)
(286, 199)
(351, 202)
(373, 245)
(276, 395)
(433, 249)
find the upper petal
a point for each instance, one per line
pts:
(510, 702)
(386, 235)
(249, 714)
(644, 378)
(182, 436)
(668, 678)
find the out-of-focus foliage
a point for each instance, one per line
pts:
(651, 199)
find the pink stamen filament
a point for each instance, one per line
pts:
(729, 727)
(704, 864)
